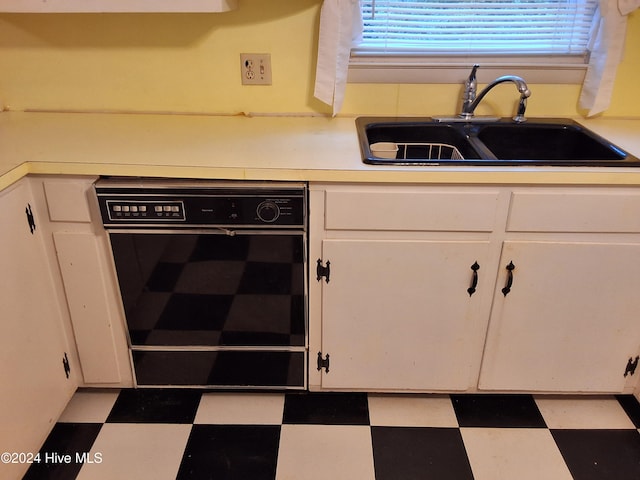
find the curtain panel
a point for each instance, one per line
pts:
(606, 54)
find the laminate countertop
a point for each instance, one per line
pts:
(240, 147)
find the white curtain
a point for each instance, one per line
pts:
(606, 54)
(340, 28)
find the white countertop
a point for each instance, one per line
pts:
(256, 148)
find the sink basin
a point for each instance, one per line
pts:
(546, 142)
(419, 142)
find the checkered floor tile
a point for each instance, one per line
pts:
(185, 434)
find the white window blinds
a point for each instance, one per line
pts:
(449, 27)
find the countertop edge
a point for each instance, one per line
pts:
(462, 175)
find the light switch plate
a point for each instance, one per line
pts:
(255, 68)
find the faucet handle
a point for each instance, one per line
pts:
(470, 86)
(472, 75)
(469, 93)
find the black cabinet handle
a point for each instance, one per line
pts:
(474, 279)
(507, 287)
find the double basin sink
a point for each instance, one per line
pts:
(544, 142)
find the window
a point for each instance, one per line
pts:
(409, 36)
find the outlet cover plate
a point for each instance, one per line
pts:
(255, 68)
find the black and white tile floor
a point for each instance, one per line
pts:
(186, 434)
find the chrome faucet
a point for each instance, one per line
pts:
(470, 101)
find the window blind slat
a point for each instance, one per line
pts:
(556, 26)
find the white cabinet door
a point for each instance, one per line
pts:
(117, 6)
(33, 386)
(570, 321)
(84, 281)
(396, 314)
(77, 240)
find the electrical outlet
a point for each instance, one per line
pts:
(255, 68)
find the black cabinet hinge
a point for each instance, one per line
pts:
(632, 364)
(65, 364)
(30, 220)
(322, 271)
(323, 362)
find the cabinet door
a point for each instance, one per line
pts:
(83, 278)
(396, 315)
(117, 6)
(570, 321)
(33, 386)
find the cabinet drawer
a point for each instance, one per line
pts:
(418, 210)
(575, 211)
(68, 199)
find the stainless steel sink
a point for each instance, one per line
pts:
(550, 142)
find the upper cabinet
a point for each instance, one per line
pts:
(116, 6)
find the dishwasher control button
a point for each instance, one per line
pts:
(117, 208)
(268, 211)
(158, 208)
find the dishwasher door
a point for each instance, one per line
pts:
(208, 309)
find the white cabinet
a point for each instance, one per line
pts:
(34, 387)
(395, 314)
(116, 6)
(569, 321)
(410, 283)
(83, 264)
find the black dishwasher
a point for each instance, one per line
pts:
(213, 280)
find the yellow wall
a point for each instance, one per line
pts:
(191, 62)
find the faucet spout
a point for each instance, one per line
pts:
(468, 108)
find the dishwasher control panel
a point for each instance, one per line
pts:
(159, 203)
(118, 210)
